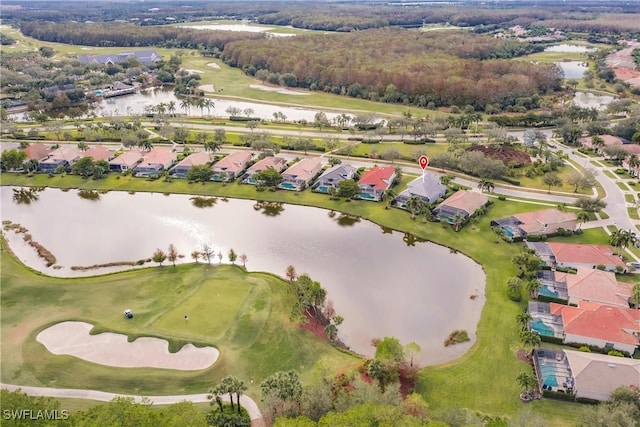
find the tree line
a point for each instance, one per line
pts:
(400, 66)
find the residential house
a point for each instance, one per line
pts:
(460, 204)
(332, 177)
(230, 167)
(597, 376)
(125, 161)
(608, 140)
(536, 223)
(578, 255)
(37, 151)
(374, 182)
(427, 188)
(155, 161)
(145, 57)
(98, 152)
(270, 162)
(300, 175)
(583, 374)
(65, 156)
(596, 286)
(194, 159)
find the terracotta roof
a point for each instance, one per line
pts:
(277, 163)
(234, 162)
(599, 321)
(597, 375)
(598, 286)
(65, 152)
(305, 169)
(468, 201)
(543, 220)
(37, 151)
(608, 140)
(379, 177)
(158, 155)
(580, 253)
(200, 158)
(98, 152)
(128, 158)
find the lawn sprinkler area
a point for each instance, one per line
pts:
(74, 339)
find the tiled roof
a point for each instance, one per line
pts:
(599, 321)
(542, 220)
(580, 253)
(128, 158)
(598, 286)
(597, 375)
(276, 163)
(98, 152)
(429, 186)
(305, 169)
(158, 155)
(234, 162)
(37, 151)
(468, 201)
(379, 177)
(338, 172)
(608, 140)
(193, 159)
(65, 152)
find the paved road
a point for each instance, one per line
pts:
(102, 396)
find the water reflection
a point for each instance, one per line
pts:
(89, 195)
(26, 195)
(345, 220)
(411, 240)
(203, 202)
(386, 230)
(269, 208)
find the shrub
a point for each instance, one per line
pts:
(514, 293)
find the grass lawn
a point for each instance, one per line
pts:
(483, 379)
(245, 315)
(595, 236)
(407, 151)
(633, 213)
(623, 186)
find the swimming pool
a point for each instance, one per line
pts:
(538, 326)
(546, 291)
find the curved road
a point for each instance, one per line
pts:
(102, 396)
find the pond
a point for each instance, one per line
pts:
(570, 48)
(384, 283)
(591, 100)
(573, 69)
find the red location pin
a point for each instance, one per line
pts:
(424, 161)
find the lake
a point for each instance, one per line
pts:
(570, 48)
(573, 69)
(380, 284)
(591, 100)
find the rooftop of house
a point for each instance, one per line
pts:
(468, 201)
(584, 253)
(193, 159)
(159, 155)
(128, 157)
(268, 162)
(598, 375)
(98, 152)
(537, 221)
(607, 139)
(65, 152)
(339, 171)
(599, 321)
(598, 286)
(234, 162)
(305, 168)
(37, 151)
(379, 177)
(426, 186)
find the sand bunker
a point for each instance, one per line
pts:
(213, 65)
(191, 70)
(72, 338)
(278, 89)
(207, 88)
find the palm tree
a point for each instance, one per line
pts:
(216, 394)
(171, 107)
(238, 388)
(209, 105)
(414, 205)
(527, 381)
(582, 217)
(635, 295)
(633, 162)
(486, 185)
(533, 287)
(621, 239)
(446, 179)
(186, 104)
(201, 103)
(530, 340)
(458, 219)
(388, 197)
(523, 320)
(195, 255)
(212, 146)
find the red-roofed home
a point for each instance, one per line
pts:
(269, 162)
(374, 182)
(64, 156)
(607, 140)
(600, 325)
(300, 175)
(37, 151)
(581, 255)
(231, 166)
(125, 161)
(461, 204)
(194, 159)
(98, 152)
(155, 161)
(596, 286)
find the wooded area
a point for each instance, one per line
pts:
(401, 66)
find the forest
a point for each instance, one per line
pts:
(396, 65)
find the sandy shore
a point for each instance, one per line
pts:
(73, 338)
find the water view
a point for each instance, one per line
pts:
(591, 100)
(573, 69)
(570, 48)
(384, 283)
